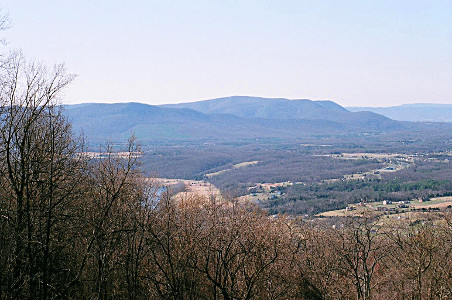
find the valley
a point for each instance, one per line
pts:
(294, 180)
(287, 156)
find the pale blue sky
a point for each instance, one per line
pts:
(357, 53)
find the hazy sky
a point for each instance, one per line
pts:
(357, 53)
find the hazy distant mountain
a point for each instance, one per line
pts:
(116, 122)
(255, 107)
(285, 109)
(420, 112)
(175, 123)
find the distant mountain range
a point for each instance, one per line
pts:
(266, 108)
(284, 109)
(226, 119)
(421, 112)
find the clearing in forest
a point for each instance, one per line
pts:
(236, 166)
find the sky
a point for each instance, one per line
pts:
(356, 53)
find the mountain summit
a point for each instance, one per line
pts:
(285, 109)
(265, 108)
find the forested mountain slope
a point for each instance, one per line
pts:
(168, 123)
(282, 109)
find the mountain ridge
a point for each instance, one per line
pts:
(150, 123)
(259, 107)
(415, 112)
(235, 118)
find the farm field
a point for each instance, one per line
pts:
(356, 209)
(437, 202)
(392, 162)
(191, 187)
(263, 191)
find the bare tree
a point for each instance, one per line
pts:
(39, 172)
(114, 193)
(421, 260)
(362, 249)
